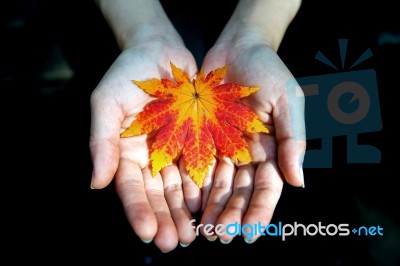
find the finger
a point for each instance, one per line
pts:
(176, 203)
(239, 201)
(166, 238)
(104, 140)
(191, 191)
(130, 188)
(268, 186)
(291, 157)
(290, 134)
(207, 185)
(220, 193)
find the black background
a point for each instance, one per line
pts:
(52, 215)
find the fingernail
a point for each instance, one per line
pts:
(225, 242)
(212, 238)
(147, 241)
(164, 251)
(183, 244)
(302, 176)
(301, 172)
(91, 181)
(250, 241)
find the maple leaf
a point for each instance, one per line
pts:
(196, 120)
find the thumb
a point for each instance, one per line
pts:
(104, 140)
(291, 133)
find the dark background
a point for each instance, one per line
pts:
(53, 54)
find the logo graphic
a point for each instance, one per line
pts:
(341, 104)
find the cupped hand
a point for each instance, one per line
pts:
(155, 207)
(249, 193)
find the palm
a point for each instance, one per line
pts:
(256, 65)
(260, 67)
(132, 100)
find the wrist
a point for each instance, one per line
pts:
(137, 21)
(260, 21)
(155, 33)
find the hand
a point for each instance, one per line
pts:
(249, 193)
(155, 207)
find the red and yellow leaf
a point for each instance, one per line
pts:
(196, 120)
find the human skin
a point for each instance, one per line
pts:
(160, 208)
